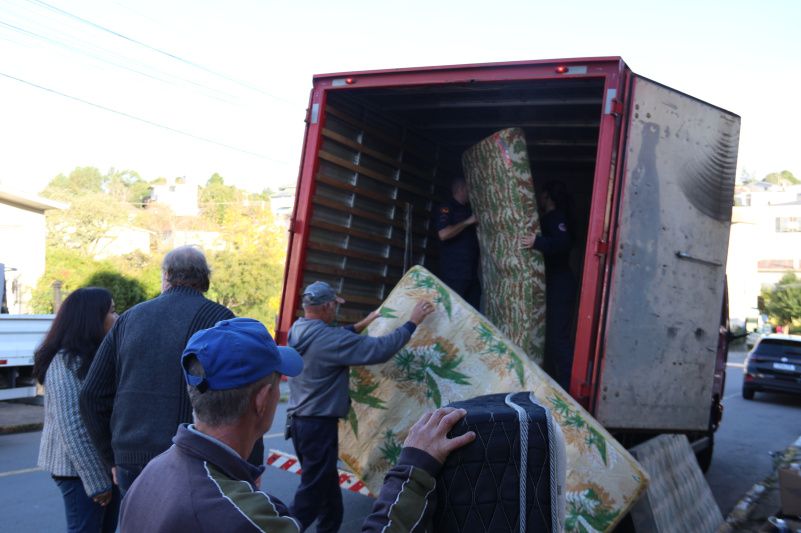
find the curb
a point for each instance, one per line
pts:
(741, 513)
(21, 428)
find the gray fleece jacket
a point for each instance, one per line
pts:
(322, 388)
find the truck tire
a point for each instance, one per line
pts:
(704, 457)
(748, 393)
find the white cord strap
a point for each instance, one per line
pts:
(522, 416)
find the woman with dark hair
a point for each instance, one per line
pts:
(91, 499)
(554, 242)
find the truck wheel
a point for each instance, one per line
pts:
(704, 457)
(748, 393)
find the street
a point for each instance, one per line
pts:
(30, 501)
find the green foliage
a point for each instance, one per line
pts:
(246, 275)
(785, 177)
(783, 302)
(81, 181)
(128, 285)
(88, 219)
(125, 290)
(218, 200)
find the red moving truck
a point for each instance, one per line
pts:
(651, 171)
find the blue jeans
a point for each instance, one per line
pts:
(83, 514)
(318, 496)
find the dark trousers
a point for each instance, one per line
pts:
(560, 296)
(83, 514)
(469, 289)
(126, 475)
(318, 496)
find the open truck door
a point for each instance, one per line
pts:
(667, 280)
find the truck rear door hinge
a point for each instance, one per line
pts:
(584, 391)
(601, 248)
(617, 107)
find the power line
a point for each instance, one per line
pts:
(159, 51)
(113, 63)
(144, 120)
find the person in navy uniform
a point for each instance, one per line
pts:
(458, 258)
(554, 242)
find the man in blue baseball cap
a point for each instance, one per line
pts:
(204, 482)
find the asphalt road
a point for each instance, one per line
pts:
(30, 502)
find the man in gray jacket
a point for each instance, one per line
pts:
(318, 397)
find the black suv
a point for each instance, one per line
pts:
(773, 365)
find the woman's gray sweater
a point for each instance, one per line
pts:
(66, 448)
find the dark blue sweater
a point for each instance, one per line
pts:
(134, 396)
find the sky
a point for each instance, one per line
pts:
(174, 75)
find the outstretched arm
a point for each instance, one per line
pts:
(407, 500)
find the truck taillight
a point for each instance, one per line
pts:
(3, 361)
(562, 69)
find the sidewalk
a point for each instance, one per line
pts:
(762, 501)
(16, 417)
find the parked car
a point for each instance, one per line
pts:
(773, 365)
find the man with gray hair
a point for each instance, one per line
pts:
(203, 482)
(134, 397)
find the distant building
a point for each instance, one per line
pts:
(122, 240)
(765, 243)
(23, 234)
(208, 241)
(283, 202)
(180, 196)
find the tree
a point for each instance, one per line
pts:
(81, 181)
(248, 274)
(131, 279)
(88, 219)
(785, 177)
(217, 198)
(125, 290)
(783, 302)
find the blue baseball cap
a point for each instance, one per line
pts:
(319, 293)
(235, 353)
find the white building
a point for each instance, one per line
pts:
(765, 244)
(23, 234)
(181, 196)
(122, 240)
(206, 240)
(283, 202)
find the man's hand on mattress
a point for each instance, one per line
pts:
(527, 241)
(421, 311)
(430, 433)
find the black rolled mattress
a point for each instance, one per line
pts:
(479, 488)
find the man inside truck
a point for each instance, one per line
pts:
(319, 396)
(458, 258)
(554, 242)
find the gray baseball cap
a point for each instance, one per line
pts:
(319, 293)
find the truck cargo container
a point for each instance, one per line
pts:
(651, 171)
